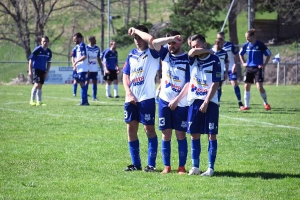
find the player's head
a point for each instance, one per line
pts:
(198, 41)
(250, 35)
(92, 40)
(44, 41)
(219, 42)
(139, 42)
(77, 38)
(174, 47)
(113, 45)
(221, 35)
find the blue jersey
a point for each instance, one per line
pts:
(78, 51)
(222, 55)
(111, 59)
(231, 52)
(40, 58)
(255, 53)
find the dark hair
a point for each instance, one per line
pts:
(199, 37)
(221, 33)
(78, 35)
(91, 37)
(45, 37)
(142, 28)
(172, 33)
(251, 32)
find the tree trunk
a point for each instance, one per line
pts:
(128, 13)
(139, 10)
(102, 24)
(145, 10)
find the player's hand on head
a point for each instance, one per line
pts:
(178, 39)
(131, 31)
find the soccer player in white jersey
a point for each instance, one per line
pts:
(223, 56)
(80, 64)
(232, 52)
(139, 74)
(203, 113)
(94, 61)
(38, 68)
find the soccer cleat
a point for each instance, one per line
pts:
(32, 103)
(267, 107)
(181, 170)
(194, 171)
(166, 170)
(39, 103)
(84, 104)
(95, 99)
(244, 108)
(149, 168)
(132, 168)
(74, 95)
(117, 96)
(209, 172)
(109, 96)
(241, 104)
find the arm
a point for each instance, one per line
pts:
(157, 43)
(243, 61)
(30, 68)
(266, 62)
(100, 64)
(209, 96)
(48, 69)
(145, 36)
(126, 83)
(197, 51)
(174, 102)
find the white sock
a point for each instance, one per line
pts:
(264, 97)
(115, 89)
(247, 98)
(33, 94)
(107, 90)
(39, 95)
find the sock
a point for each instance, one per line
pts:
(134, 150)
(212, 153)
(264, 97)
(237, 92)
(39, 95)
(152, 151)
(33, 94)
(95, 91)
(87, 88)
(116, 90)
(107, 90)
(166, 152)
(196, 149)
(182, 151)
(84, 94)
(219, 93)
(75, 88)
(247, 98)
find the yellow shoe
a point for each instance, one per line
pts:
(32, 103)
(39, 103)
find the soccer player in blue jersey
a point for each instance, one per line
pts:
(232, 53)
(80, 64)
(256, 50)
(94, 61)
(110, 60)
(139, 74)
(75, 77)
(223, 56)
(38, 69)
(203, 113)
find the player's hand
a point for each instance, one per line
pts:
(173, 104)
(178, 39)
(203, 107)
(107, 72)
(245, 64)
(46, 74)
(233, 69)
(260, 66)
(131, 31)
(131, 98)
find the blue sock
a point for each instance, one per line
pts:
(152, 151)
(219, 93)
(182, 151)
(87, 88)
(84, 94)
(166, 152)
(75, 88)
(237, 92)
(134, 149)
(196, 149)
(94, 91)
(212, 153)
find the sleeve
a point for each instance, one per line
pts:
(163, 52)
(126, 67)
(154, 53)
(216, 70)
(73, 54)
(265, 50)
(234, 49)
(226, 58)
(83, 49)
(187, 73)
(192, 60)
(34, 54)
(243, 50)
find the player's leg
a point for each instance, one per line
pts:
(220, 91)
(34, 88)
(95, 85)
(81, 80)
(248, 79)
(40, 82)
(75, 83)
(236, 88)
(115, 82)
(259, 79)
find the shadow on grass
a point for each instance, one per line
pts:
(262, 175)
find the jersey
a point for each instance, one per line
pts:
(255, 53)
(141, 67)
(103, 53)
(231, 52)
(78, 51)
(222, 55)
(93, 53)
(175, 74)
(204, 72)
(111, 59)
(40, 58)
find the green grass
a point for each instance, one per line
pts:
(62, 151)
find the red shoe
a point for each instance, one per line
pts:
(267, 107)
(166, 170)
(181, 170)
(245, 108)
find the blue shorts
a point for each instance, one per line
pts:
(143, 112)
(82, 76)
(169, 119)
(232, 76)
(92, 75)
(204, 123)
(75, 75)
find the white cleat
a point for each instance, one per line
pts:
(209, 172)
(194, 171)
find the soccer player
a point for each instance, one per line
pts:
(38, 69)
(232, 52)
(256, 50)
(80, 64)
(203, 113)
(139, 74)
(223, 56)
(94, 61)
(110, 60)
(75, 78)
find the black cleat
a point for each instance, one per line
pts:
(132, 168)
(149, 169)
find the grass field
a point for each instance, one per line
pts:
(64, 151)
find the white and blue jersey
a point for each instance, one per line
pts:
(204, 72)
(40, 58)
(110, 58)
(222, 55)
(175, 74)
(255, 53)
(93, 53)
(141, 67)
(231, 52)
(78, 51)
